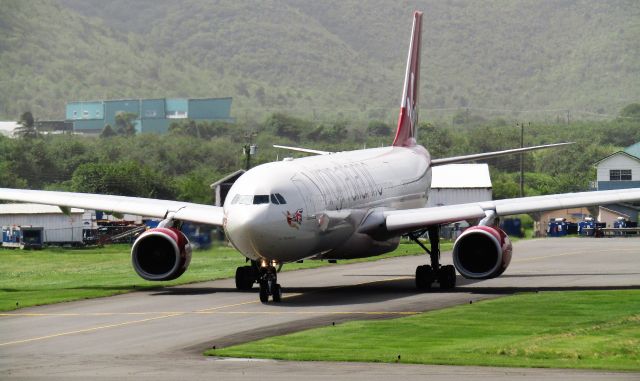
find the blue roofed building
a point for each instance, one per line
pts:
(153, 115)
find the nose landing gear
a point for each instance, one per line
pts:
(265, 274)
(269, 284)
(426, 275)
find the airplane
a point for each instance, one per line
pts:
(334, 205)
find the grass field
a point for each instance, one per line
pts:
(586, 329)
(53, 275)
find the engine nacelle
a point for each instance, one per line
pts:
(161, 254)
(482, 252)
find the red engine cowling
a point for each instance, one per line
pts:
(161, 254)
(482, 252)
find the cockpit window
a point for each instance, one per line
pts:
(242, 199)
(260, 199)
(280, 198)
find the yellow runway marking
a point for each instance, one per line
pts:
(180, 313)
(63, 314)
(317, 313)
(86, 330)
(211, 311)
(228, 306)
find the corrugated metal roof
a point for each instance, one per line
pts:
(33, 209)
(461, 176)
(633, 150)
(227, 177)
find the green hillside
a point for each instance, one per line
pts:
(324, 60)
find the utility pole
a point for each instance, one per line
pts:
(521, 160)
(249, 150)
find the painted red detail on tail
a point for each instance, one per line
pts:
(408, 118)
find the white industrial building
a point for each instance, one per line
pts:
(620, 170)
(459, 184)
(57, 227)
(7, 128)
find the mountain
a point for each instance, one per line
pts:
(326, 59)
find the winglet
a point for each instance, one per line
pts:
(408, 118)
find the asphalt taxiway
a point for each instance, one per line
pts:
(161, 334)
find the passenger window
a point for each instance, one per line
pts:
(280, 198)
(274, 200)
(235, 199)
(260, 199)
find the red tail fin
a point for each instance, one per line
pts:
(408, 118)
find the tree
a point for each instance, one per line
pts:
(27, 127)
(9, 179)
(121, 178)
(194, 187)
(124, 123)
(631, 111)
(378, 128)
(316, 134)
(505, 185)
(287, 126)
(338, 132)
(107, 132)
(438, 140)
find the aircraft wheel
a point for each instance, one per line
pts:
(264, 292)
(447, 277)
(245, 278)
(277, 293)
(424, 277)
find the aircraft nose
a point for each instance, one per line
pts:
(244, 229)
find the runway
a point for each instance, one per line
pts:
(161, 334)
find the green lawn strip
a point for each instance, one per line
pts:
(581, 329)
(53, 275)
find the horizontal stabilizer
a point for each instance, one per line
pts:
(487, 155)
(305, 150)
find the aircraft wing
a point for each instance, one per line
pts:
(184, 211)
(414, 219)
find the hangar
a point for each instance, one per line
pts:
(152, 115)
(57, 227)
(459, 184)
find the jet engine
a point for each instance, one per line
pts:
(482, 252)
(161, 254)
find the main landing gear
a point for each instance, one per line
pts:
(427, 275)
(267, 277)
(246, 276)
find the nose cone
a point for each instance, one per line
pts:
(244, 227)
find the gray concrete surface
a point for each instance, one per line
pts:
(161, 334)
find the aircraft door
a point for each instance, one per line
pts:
(310, 193)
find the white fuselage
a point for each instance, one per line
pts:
(312, 207)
